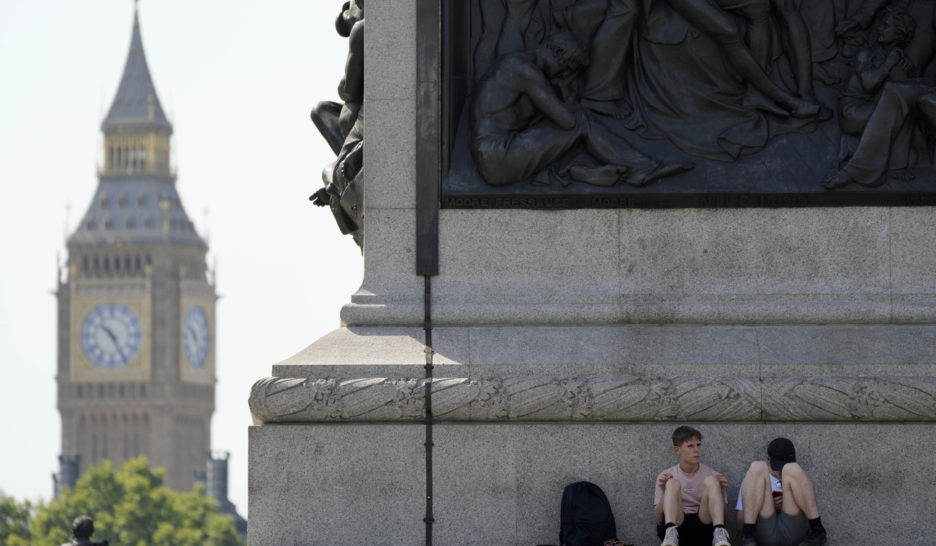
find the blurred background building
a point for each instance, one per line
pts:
(136, 309)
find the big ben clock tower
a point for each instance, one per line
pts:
(136, 306)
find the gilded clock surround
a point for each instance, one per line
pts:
(190, 371)
(82, 368)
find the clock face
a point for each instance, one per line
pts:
(111, 335)
(196, 337)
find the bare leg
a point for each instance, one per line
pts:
(609, 149)
(869, 163)
(325, 116)
(798, 493)
(712, 507)
(755, 493)
(520, 155)
(641, 169)
(672, 503)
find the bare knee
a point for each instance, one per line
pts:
(710, 482)
(791, 472)
(673, 485)
(758, 467)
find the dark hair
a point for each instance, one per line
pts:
(568, 50)
(82, 527)
(684, 434)
(904, 23)
(344, 25)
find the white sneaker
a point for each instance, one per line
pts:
(720, 537)
(671, 538)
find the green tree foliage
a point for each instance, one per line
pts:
(14, 521)
(132, 507)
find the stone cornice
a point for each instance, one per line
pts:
(597, 399)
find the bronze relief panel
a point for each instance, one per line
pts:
(688, 103)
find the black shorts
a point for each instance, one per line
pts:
(692, 532)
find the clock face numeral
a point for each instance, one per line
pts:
(111, 335)
(196, 337)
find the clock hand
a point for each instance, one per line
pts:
(113, 339)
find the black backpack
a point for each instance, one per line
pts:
(586, 516)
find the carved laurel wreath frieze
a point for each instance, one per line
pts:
(618, 398)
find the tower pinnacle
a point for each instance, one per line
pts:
(136, 130)
(136, 200)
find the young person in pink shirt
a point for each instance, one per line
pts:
(689, 498)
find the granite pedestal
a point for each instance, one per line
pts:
(566, 345)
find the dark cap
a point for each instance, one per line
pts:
(781, 452)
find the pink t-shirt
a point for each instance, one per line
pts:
(691, 486)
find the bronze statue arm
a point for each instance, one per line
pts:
(862, 19)
(873, 77)
(538, 88)
(351, 87)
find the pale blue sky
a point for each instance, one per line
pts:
(238, 79)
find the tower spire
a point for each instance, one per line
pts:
(136, 130)
(136, 100)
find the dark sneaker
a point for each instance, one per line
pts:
(815, 538)
(748, 541)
